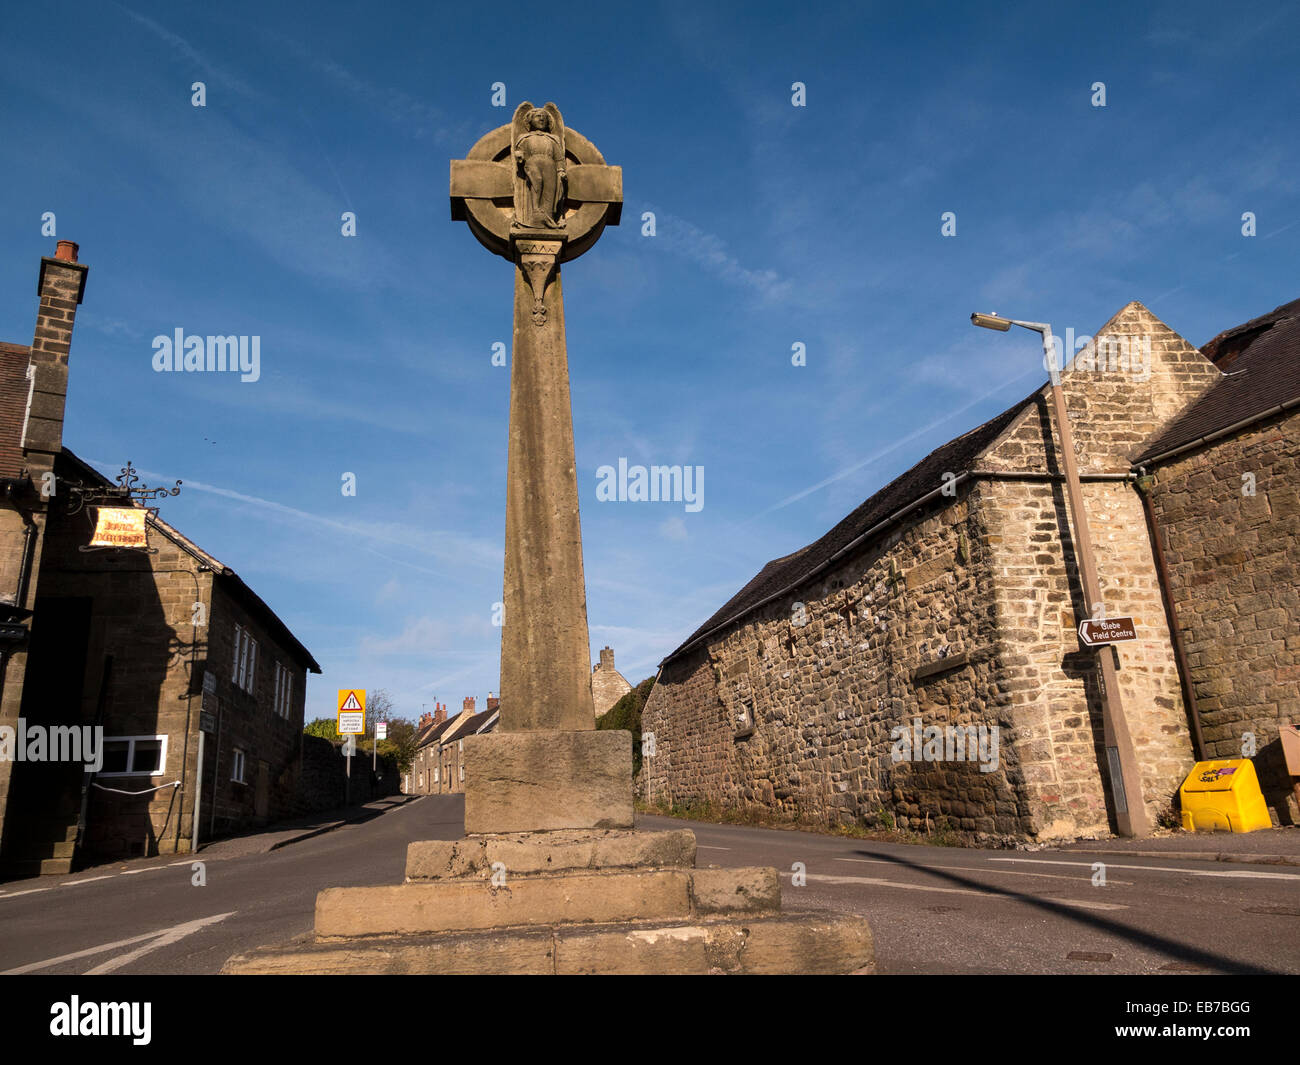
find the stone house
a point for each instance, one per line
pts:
(149, 646)
(946, 607)
(608, 685)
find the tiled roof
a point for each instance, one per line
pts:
(476, 723)
(1261, 364)
(435, 733)
(13, 407)
(927, 475)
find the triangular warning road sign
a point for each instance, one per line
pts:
(350, 703)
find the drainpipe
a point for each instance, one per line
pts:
(1143, 485)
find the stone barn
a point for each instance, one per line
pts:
(841, 683)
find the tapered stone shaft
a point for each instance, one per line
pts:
(545, 672)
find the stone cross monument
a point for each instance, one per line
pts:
(550, 877)
(540, 195)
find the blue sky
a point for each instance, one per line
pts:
(775, 225)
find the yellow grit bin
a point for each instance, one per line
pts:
(1223, 796)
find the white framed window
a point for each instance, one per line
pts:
(237, 767)
(283, 691)
(245, 665)
(436, 777)
(239, 651)
(134, 756)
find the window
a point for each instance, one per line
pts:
(245, 665)
(132, 756)
(283, 691)
(237, 770)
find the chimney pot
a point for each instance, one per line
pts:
(67, 251)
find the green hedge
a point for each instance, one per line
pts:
(626, 714)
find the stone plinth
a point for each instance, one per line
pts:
(531, 853)
(542, 781)
(814, 943)
(567, 903)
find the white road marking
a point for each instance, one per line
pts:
(981, 869)
(151, 869)
(878, 882)
(163, 937)
(29, 891)
(86, 880)
(706, 847)
(1233, 875)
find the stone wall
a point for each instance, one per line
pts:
(136, 610)
(1234, 568)
(798, 718)
(1055, 701)
(323, 783)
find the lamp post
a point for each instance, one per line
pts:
(1122, 769)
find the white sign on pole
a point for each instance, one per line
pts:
(381, 730)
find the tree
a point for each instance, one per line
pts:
(327, 728)
(626, 714)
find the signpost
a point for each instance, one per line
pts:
(351, 723)
(352, 711)
(1107, 630)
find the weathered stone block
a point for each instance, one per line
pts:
(525, 952)
(541, 781)
(736, 891)
(455, 905)
(679, 951)
(529, 854)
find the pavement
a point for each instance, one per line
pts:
(1272, 846)
(272, 838)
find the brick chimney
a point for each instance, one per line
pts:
(60, 286)
(607, 658)
(468, 704)
(441, 715)
(493, 702)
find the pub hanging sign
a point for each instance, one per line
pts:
(119, 527)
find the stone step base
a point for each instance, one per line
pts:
(535, 853)
(21, 867)
(419, 907)
(790, 943)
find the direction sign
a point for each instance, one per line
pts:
(1107, 630)
(352, 711)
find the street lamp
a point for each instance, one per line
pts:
(1125, 779)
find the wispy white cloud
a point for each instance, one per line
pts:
(710, 252)
(455, 550)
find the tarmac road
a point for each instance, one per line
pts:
(933, 909)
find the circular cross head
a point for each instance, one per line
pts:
(489, 219)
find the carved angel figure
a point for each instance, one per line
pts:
(537, 145)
